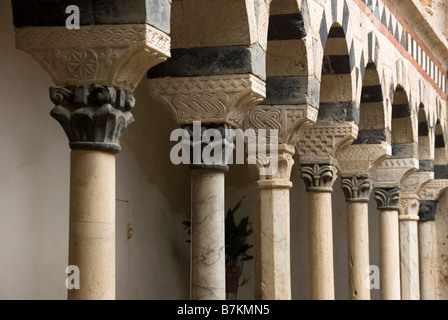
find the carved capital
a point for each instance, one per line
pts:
(431, 190)
(321, 142)
(387, 198)
(356, 188)
(391, 172)
(427, 211)
(319, 177)
(408, 207)
(213, 141)
(290, 120)
(94, 118)
(117, 55)
(282, 160)
(362, 158)
(209, 99)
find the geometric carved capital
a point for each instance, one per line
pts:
(387, 198)
(209, 99)
(362, 158)
(432, 189)
(391, 172)
(93, 118)
(290, 120)
(356, 188)
(116, 55)
(322, 141)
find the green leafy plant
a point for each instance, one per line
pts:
(236, 248)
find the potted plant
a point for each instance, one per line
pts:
(236, 249)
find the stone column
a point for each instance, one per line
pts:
(356, 164)
(95, 75)
(317, 148)
(273, 171)
(427, 249)
(408, 217)
(205, 106)
(428, 194)
(388, 177)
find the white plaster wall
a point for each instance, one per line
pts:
(442, 247)
(34, 191)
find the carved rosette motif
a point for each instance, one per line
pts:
(117, 55)
(431, 190)
(290, 120)
(94, 118)
(209, 99)
(427, 211)
(387, 198)
(321, 142)
(225, 145)
(356, 188)
(319, 177)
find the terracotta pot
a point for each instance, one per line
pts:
(232, 278)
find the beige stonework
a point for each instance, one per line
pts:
(117, 55)
(214, 99)
(362, 158)
(322, 141)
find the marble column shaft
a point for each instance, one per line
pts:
(357, 190)
(319, 179)
(387, 199)
(207, 235)
(427, 250)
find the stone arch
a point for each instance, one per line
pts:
(337, 102)
(289, 68)
(425, 140)
(404, 144)
(210, 38)
(440, 139)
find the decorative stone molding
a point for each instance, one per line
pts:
(357, 188)
(387, 198)
(391, 172)
(427, 211)
(290, 120)
(319, 177)
(362, 158)
(225, 146)
(209, 99)
(117, 55)
(431, 190)
(94, 118)
(321, 142)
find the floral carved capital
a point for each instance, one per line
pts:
(356, 188)
(319, 177)
(387, 198)
(93, 118)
